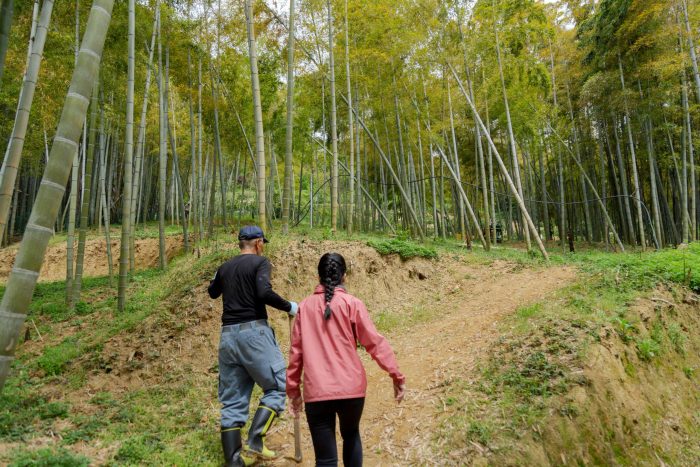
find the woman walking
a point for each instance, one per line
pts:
(327, 329)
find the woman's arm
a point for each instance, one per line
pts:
(376, 344)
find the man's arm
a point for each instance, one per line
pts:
(264, 290)
(215, 286)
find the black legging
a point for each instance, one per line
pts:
(321, 418)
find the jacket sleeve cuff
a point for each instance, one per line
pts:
(293, 393)
(398, 378)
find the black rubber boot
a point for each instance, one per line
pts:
(262, 421)
(232, 444)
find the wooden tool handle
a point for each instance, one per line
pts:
(297, 430)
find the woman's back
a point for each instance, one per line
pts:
(331, 366)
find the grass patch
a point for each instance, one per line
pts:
(387, 321)
(23, 411)
(137, 449)
(643, 271)
(48, 457)
(648, 349)
(55, 358)
(404, 248)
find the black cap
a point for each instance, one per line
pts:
(251, 232)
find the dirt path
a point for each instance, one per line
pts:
(432, 353)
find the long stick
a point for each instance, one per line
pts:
(297, 430)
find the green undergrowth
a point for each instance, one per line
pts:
(48, 457)
(643, 271)
(404, 248)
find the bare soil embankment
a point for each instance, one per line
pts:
(95, 262)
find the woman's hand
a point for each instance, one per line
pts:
(399, 392)
(296, 406)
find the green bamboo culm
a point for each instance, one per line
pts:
(85, 202)
(25, 272)
(128, 163)
(13, 155)
(5, 23)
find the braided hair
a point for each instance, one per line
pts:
(331, 269)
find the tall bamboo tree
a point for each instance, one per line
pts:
(13, 155)
(334, 127)
(257, 115)
(128, 161)
(85, 200)
(39, 230)
(289, 142)
(6, 11)
(162, 154)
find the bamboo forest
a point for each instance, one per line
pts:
(509, 191)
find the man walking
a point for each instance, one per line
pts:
(248, 351)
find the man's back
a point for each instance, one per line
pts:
(244, 282)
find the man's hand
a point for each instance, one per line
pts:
(295, 309)
(399, 392)
(296, 406)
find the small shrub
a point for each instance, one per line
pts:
(624, 329)
(86, 429)
(647, 349)
(137, 449)
(48, 457)
(528, 311)
(478, 431)
(405, 249)
(689, 372)
(22, 411)
(55, 359)
(677, 338)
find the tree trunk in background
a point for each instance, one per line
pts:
(691, 191)
(289, 142)
(455, 176)
(6, 10)
(334, 127)
(162, 155)
(136, 191)
(482, 172)
(693, 53)
(19, 131)
(128, 162)
(506, 175)
(200, 175)
(22, 280)
(511, 136)
(257, 114)
(73, 207)
(637, 194)
(632, 238)
(85, 200)
(652, 181)
(351, 208)
(103, 201)
(194, 198)
(405, 196)
(217, 146)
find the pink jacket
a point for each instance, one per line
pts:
(326, 350)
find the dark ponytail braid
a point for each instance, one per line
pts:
(331, 269)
